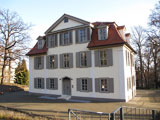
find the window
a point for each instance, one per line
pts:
(84, 84)
(103, 58)
(39, 83)
(104, 85)
(66, 60)
(82, 35)
(66, 38)
(102, 33)
(65, 20)
(40, 44)
(52, 85)
(52, 41)
(39, 62)
(51, 61)
(83, 58)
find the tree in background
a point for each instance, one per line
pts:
(21, 73)
(138, 40)
(13, 38)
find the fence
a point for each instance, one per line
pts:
(121, 113)
(74, 114)
(133, 113)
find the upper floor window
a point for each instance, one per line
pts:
(65, 20)
(52, 41)
(40, 44)
(82, 35)
(52, 61)
(102, 33)
(66, 38)
(39, 62)
(83, 59)
(103, 58)
(66, 60)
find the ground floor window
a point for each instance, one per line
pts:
(84, 84)
(104, 85)
(52, 83)
(39, 83)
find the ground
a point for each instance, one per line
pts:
(32, 103)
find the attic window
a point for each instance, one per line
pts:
(102, 33)
(40, 44)
(65, 20)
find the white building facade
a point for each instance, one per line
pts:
(83, 60)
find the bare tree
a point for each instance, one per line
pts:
(154, 44)
(138, 40)
(13, 37)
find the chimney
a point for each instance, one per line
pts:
(127, 36)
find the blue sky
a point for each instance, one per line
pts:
(43, 13)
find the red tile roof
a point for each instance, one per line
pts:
(36, 51)
(114, 37)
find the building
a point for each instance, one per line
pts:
(83, 60)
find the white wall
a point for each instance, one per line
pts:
(119, 71)
(68, 24)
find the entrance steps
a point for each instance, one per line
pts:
(65, 97)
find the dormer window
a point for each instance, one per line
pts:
(102, 33)
(39, 44)
(65, 20)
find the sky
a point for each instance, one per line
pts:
(43, 13)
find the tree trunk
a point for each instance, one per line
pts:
(141, 67)
(3, 67)
(155, 72)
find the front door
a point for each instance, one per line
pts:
(66, 86)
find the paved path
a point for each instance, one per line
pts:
(32, 103)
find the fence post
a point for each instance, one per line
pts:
(112, 116)
(121, 114)
(153, 115)
(69, 114)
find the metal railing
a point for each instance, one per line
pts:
(134, 113)
(74, 114)
(121, 113)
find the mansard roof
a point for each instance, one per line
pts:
(36, 51)
(62, 18)
(114, 36)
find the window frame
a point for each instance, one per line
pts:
(106, 89)
(102, 33)
(84, 84)
(39, 62)
(39, 83)
(40, 44)
(51, 84)
(103, 57)
(66, 60)
(51, 62)
(83, 59)
(82, 35)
